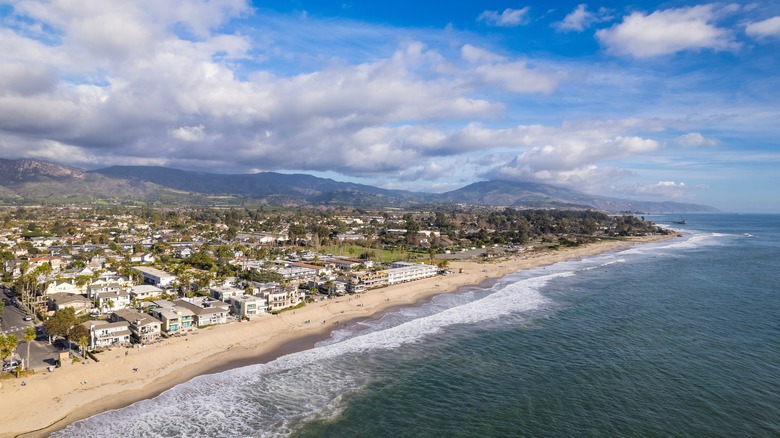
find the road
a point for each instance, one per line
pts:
(41, 353)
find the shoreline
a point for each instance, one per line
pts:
(52, 400)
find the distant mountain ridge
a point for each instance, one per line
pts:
(39, 181)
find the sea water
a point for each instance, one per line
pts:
(678, 338)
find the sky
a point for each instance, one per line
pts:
(643, 100)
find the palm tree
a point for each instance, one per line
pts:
(29, 336)
(83, 342)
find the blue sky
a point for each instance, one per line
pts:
(646, 100)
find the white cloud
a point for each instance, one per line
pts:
(580, 18)
(664, 189)
(508, 18)
(694, 139)
(476, 55)
(765, 28)
(666, 32)
(189, 133)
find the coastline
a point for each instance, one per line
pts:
(51, 401)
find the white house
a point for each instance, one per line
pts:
(224, 293)
(246, 306)
(145, 328)
(103, 334)
(155, 276)
(112, 301)
(62, 287)
(102, 286)
(402, 272)
(145, 292)
(207, 311)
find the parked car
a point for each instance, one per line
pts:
(11, 365)
(27, 318)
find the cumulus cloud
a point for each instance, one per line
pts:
(765, 28)
(580, 18)
(665, 189)
(514, 76)
(189, 133)
(184, 92)
(668, 31)
(569, 154)
(694, 139)
(508, 18)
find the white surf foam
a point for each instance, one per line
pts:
(269, 399)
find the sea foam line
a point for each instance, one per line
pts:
(296, 386)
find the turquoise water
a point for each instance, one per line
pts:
(680, 338)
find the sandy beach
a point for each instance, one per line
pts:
(51, 400)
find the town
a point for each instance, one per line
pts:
(78, 281)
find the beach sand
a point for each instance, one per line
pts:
(51, 400)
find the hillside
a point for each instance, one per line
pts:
(32, 181)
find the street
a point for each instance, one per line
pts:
(41, 353)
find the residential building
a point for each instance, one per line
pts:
(224, 293)
(112, 301)
(247, 306)
(145, 292)
(337, 287)
(347, 263)
(206, 311)
(282, 298)
(62, 287)
(371, 280)
(297, 273)
(145, 329)
(145, 258)
(174, 318)
(104, 334)
(402, 272)
(54, 261)
(79, 303)
(102, 286)
(155, 276)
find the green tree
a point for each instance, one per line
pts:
(8, 345)
(83, 342)
(29, 336)
(61, 322)
(78, 331)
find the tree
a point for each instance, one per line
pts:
(7, 345)
(83, 342)
(61, 323)
(29, 336)
(77, 332)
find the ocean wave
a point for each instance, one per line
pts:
(271, 399)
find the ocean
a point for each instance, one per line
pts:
(678, 338)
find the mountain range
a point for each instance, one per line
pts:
(28, 181)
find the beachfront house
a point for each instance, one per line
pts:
(369, 280)
(145, 329)
(174, 318)
(246, 306)
(206, 311)
(281, 298)
(401, 272)
(104, 334)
